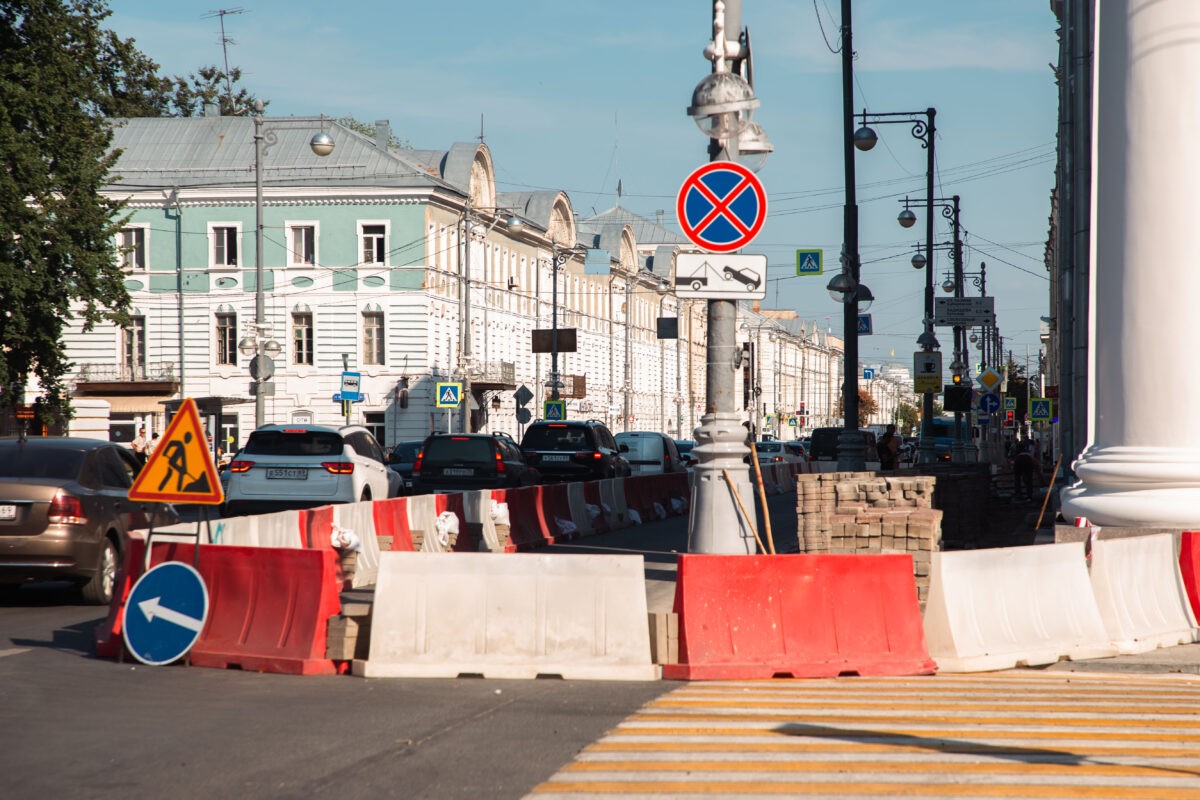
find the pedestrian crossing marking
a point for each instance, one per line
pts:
(181, 469)
(1061, 735)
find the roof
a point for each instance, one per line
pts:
(220, 151)
(645, 232)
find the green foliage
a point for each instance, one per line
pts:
(355, 124)
(60, 73)
(908, 417)
(188, 96)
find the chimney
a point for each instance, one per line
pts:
(658, 216)
(212, 110)
(383, 133)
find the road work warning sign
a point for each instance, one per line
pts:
(181, 469)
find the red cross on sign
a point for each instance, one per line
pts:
(721, 206)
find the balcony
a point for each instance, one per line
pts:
(141, 379)
(494, 376)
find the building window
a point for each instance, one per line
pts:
(374, 243)
(225, 245)
(131, 249)
(374, 421)
(302, 337)
(302, 244)
(133, 346)
(373, 337)
(227, 338)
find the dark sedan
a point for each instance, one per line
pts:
(65, 512)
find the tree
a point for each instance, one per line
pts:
(210, 84)
(61, 74)
(866, 407)
(908, 418)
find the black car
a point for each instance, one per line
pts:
(465, 462)
(65, 512)
(573, 450)
(401, 458)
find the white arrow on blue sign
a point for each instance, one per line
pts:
(165, 613)
(989, 403)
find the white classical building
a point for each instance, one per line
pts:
(410, 268)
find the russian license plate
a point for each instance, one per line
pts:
(458, 471)
(287, 473)
(556, 458)
(8, 511)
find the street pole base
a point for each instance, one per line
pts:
(716, 523)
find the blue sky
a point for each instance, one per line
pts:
(577, 96)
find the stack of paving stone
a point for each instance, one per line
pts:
(863, 512)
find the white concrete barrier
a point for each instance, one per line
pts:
(1140, 593)
(280, 529)
(1004, 607)
(360, 518)
(579, 509)
(520, 616)
(612, 494)
(422, 516)
(477, 505)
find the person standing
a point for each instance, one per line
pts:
(888, 448)
(139, 444)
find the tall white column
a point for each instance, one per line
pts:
(1142, 464)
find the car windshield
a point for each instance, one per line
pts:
(293, 443)
(684, 447)
(458, 450)
(24, 461)
(768, 447)
(404, 453)
(554, 437)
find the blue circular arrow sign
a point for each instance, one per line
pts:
(721, 206)
(989, 403)
(165, 613)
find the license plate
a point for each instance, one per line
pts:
(458, 471)
(8, 511)
(556, 458)
(283, 473)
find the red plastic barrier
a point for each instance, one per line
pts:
(637, 491)
(591, 496)
(1189, 568)
(391, 519)
(108, 634)
(269, 607)
(469, 536)
(524, 516)
(555, 504)
(803, 616)
(316, 525)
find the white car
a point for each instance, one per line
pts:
(301, 466)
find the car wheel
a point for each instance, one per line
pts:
(366, 496)
(99, 590)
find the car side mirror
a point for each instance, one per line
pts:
(624, 448)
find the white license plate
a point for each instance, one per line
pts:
(283, 473)
(458, 471)
(556, 458)
(8, 511)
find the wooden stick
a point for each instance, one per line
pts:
(1049, 489)
(762, 496)
(749, 519)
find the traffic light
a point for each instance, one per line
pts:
(956, 398)
(957, 380)
(1008, 417)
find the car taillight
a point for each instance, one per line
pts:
(499, 463)
(584, 455)
(65, 509)
(338, 467)
(417, 462)
(240, 466)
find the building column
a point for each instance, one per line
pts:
(1142, 464)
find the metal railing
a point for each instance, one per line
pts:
(126, 373)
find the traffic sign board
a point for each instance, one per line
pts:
(964, 311)
(721, 206)
(989, 403)
(165, 613)
(351, 381)
(864, 325)
(989, 379)
(1040, 408)
(809, 262)
(181, 469)
(721, 277)
(449, 394)
(555, 410)
(927, 371)
(868, 374)
(1010, 404)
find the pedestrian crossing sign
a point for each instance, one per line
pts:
(808, 262)
(449, 395)
(554, 410)
(1039, 409)
(181, 469)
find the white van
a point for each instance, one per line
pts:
(650, 452)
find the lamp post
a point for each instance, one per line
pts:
(558, 257)
(722, 104)
(925, 131)
(513, 224)
(260, 346)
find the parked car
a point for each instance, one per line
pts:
(776, 451)
(650, 452)
(824, 446)
(301, 466)
(462, 462)
(65, 513)
(401, 458)
(573, 450)
(684, 446)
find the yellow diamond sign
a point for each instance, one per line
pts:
(990, 379)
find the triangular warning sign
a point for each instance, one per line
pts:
(181, 469)
(810, 263)
(450, 394)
